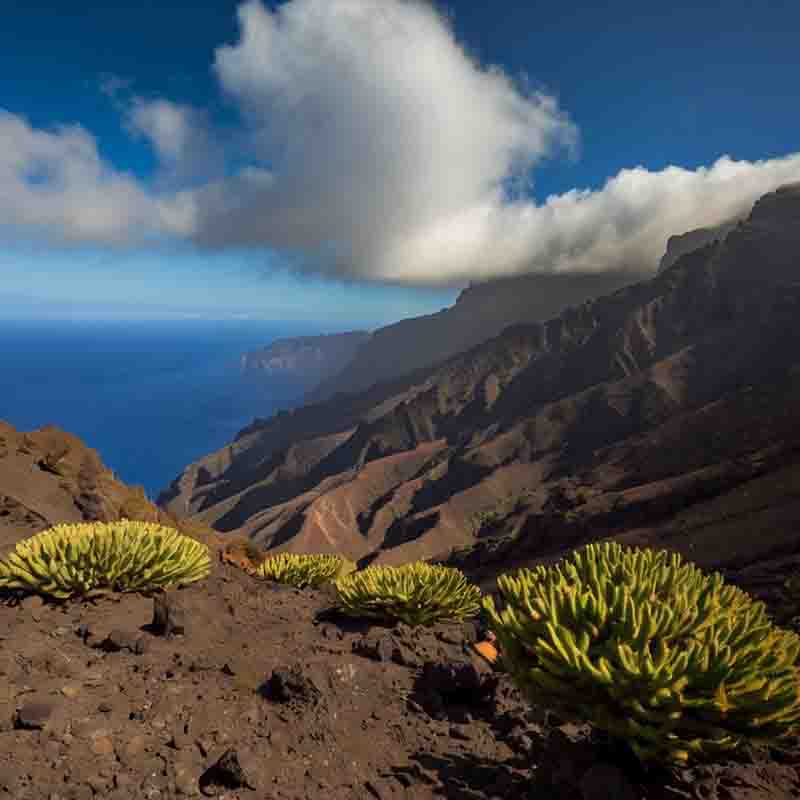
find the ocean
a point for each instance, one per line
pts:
(149, 396)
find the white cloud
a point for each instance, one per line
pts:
(388, 150)
(375, 125)
(169, 126)
(623, 225)
(55, 182)
(182, 137)
(376, 147)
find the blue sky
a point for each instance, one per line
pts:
(550, 97)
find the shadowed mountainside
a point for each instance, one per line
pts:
(684, 243)
(613, 419)
(481, 311)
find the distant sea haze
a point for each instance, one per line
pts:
(150, 396)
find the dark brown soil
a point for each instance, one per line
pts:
(268, 694)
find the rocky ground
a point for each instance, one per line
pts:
(236, 688)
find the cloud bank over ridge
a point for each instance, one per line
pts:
(372, 146)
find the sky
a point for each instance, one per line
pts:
(359, 161)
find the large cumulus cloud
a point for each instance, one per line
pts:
(372, 145)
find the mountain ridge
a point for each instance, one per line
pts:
(661, 415)
(480, 312)
(411, 467)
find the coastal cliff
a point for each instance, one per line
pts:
(309, 359)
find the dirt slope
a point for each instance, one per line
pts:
(266, 694)
(49, 476)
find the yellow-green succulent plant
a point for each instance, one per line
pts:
(99, 557)
(677, 663)
(417, 594)
(303, 570)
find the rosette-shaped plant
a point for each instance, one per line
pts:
(95, 558)
(417, 594)
(303, 570)
(675, 662)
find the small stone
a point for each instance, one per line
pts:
(180, 736)
(169, 615)
(70, 691)
(375, 647)
(227, 772)
(104, 708)
(290, 684)
(83, 631)
(102, 746)
(185, 779)
(119, 640)
(33, 716)
(331, 632)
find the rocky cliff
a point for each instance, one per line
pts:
(636, 414)
(49, 476)
(683, 243)
(481, 311)
(309, 359)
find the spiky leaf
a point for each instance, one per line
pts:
(89, 558)
(418, 594)
(673, 661)
(303, 569)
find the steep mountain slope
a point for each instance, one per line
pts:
(481, 312)
(684, 243)
(634, 406)
(49, 476)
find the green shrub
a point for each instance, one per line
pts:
(303, 570)
(677, 663)
(95, 558)
(418, 594)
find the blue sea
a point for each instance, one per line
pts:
(150, 396)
